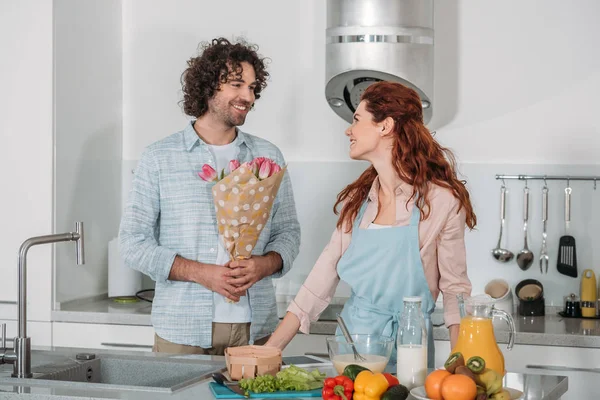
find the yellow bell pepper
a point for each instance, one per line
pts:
(369, 386)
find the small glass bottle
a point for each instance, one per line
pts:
(411, 344)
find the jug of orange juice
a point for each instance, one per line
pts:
(476, 332)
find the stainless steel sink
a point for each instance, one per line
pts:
(116, 372)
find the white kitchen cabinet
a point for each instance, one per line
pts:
(582, 385)
(442, 351)
(39, 332)
(103, 336)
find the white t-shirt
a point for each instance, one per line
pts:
(373, 225)
(222, 310)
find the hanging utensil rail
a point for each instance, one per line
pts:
(567, 178)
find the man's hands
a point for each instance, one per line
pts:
(245, 273)
(210, 276)
(214, 277)
(231, 281)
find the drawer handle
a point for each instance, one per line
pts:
(320, 355)
(137, 346)
(7, 302)
(562, 368)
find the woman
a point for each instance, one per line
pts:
(401, 227)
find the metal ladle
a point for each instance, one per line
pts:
(346, 334)
(499, 253)
(525, 256)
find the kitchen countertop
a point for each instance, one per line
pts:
(551, 330)
(534, 387)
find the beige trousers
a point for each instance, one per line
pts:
(223, 336)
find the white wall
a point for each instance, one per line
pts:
(518, 80)
(515, 88)
(160, 36)
(520, 75)
(26, 150)
(88, 120)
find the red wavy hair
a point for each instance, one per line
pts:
(418, 157)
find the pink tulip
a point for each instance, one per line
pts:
(256, 164)
(233, 165)
(254, 168)
(265, 170)
(208, 173)
(259, 161)
(275, 168)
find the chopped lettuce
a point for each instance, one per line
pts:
(291, 378)
(295, 378)
(260, 384)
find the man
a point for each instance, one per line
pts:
(203, 303)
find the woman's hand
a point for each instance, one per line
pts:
(285, 332)
(453, 330)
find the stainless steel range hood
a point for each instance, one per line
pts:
(374, 40)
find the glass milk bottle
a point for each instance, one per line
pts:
(411, 364)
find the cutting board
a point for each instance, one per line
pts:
(221, 392)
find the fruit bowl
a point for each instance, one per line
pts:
(420, 394)
(375, 349)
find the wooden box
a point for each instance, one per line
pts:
(252, 361)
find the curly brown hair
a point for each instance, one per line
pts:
(417, 157)
(218, 60)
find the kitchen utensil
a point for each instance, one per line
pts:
(525, 256)
(567, 254)
(375, 348)
(499, 253)
(500, 291)
(588, 293)
(544, 259)
(530, 293)
(223, 381)
(346, 334)
(572, 306)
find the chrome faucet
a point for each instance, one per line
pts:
(20, 354)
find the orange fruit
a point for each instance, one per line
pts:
(458, 387)
(433, 384)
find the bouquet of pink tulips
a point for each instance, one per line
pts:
(243, 196)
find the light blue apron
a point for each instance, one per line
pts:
(382, 266)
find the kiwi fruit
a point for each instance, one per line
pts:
(462, 370)
(455, 360)
(476, 364)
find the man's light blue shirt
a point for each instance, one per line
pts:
(170, 212)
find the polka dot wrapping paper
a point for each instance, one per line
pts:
(243, 205)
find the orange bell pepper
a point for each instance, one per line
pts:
(369, 386)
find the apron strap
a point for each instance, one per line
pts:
(415, 217)
(360, 214)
